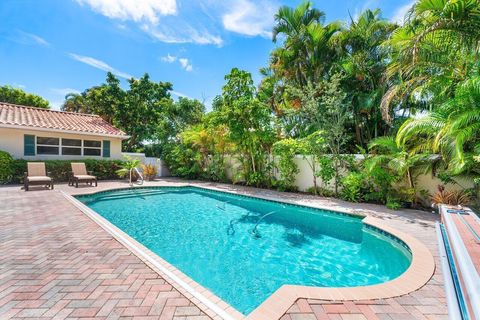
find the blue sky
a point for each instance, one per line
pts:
(52, 47)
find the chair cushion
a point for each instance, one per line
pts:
(39, 178)
(84, 177)
(36, 169)
(79, 169)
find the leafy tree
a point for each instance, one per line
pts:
(325, 105)
(286, 150)
(312, 148)
(249, 124)
(139, 111)
(175, 118)
(18, 96)
(431, 53)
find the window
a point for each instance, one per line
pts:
(92, 148)
(72, 142)
(64, 146)
(48, 146)
(91, 143)
(71, 147)
(66, 151)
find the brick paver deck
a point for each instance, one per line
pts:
(55, 262)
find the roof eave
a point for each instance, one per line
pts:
(14, 126)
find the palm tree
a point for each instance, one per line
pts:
(292, 21)
(452, 130)
(75, 102)
(364, 61)
(436, 49)
(127, 167)
(385, 152)
(306, 50)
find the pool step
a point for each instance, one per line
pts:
(459, 232)
(126, 195)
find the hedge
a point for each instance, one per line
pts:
(6, 167)
(60, 169)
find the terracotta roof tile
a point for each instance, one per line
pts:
(16, 115)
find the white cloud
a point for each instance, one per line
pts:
(250, 18)
(399, 14)
(179, 94)
(181, 33)
(64, 91)
(99, 65)
(148, 14)
(185, 64)
(138, 10)
(30, 38)
(169, 59)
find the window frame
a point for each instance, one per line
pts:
(60, 147)
(72, 147)
(100, 148)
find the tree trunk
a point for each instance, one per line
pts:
(410, 178)
(131, 142)
(314, 175)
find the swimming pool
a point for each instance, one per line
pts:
(243, 248)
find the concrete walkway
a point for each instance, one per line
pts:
(57, 263)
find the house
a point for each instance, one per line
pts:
(40, 134)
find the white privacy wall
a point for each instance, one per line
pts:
(162, 169)
(304, 178)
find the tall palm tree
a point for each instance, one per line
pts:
(292, 21)
(75, 102)
(436, 49)
(306, 52)
(364, 60)
(452, 130)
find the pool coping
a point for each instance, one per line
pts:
(416, 276)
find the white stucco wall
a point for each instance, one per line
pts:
(12, 140)
(304, 178)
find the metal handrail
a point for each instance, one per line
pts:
(140, 175)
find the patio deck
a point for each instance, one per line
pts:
(56, 263)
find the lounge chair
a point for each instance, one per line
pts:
(79, 173)
(37, 175)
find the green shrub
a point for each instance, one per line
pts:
(322, 192)
(60, 169)
(393, 204)
(6, 167)
(352, 186)
(183, 161)
(285, 150)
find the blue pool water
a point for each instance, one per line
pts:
(209, 236)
